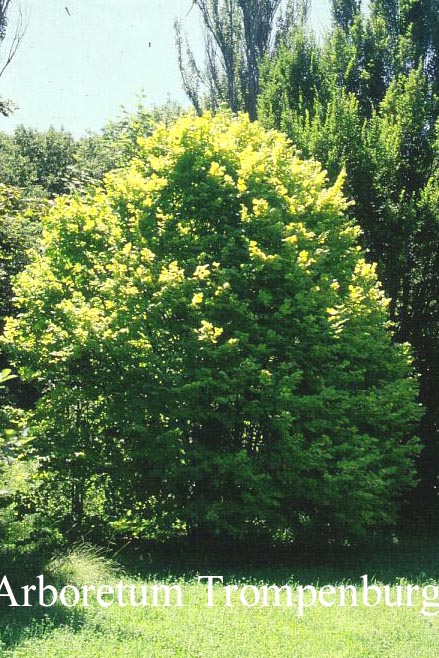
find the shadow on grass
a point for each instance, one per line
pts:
(414, 560)
(19, 623)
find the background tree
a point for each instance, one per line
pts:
(344, 12)
(37, 162)
(10, 45)
(238, 35)
(374, 112)
(206, 333)
(294, 84)
(19, 231)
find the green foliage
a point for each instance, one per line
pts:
(393, 38)
(400, 142)
(50, 163)
(205, 332)
(344, 12)
(375, 116)
(19, 230)
(37, 162)
(419, 38)
(294, 80)
(96, 154)
(360, 60)
(16, 475)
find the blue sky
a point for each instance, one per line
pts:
(76, 69)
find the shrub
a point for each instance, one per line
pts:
(205, 331)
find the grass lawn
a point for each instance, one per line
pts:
(196, 631)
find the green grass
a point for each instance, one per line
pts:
(195, 631)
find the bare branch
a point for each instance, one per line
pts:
(21, 25)
(190, 74)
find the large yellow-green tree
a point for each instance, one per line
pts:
(206, 335)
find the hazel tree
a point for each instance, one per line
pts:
(206, 333)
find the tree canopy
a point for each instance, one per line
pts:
(206, 335)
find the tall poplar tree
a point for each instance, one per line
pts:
(238, 35)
